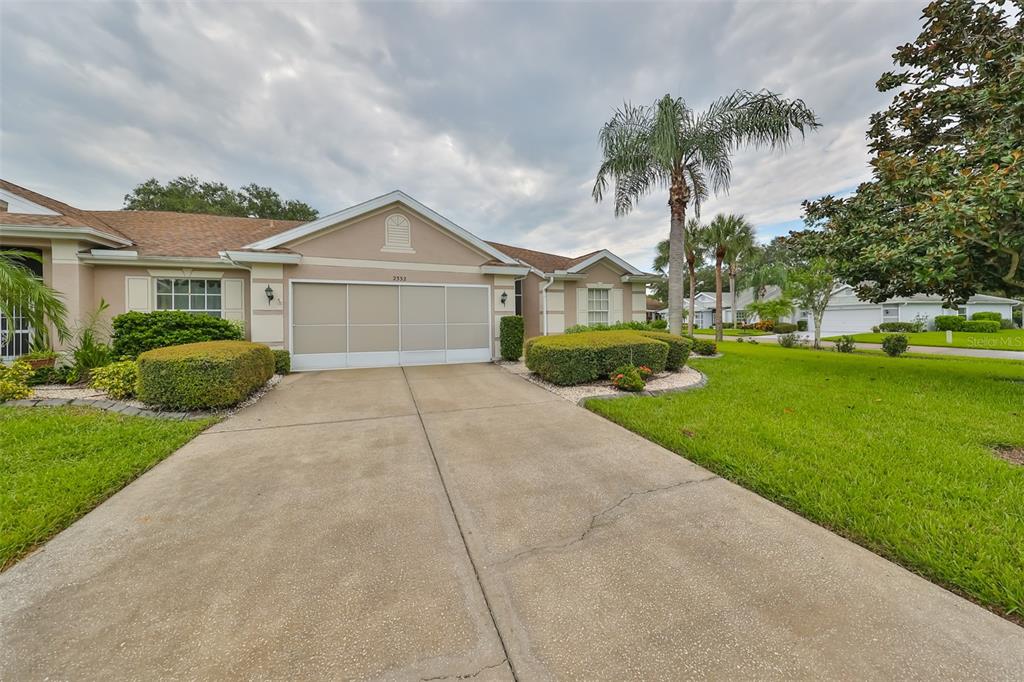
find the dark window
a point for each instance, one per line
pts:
(519, 297)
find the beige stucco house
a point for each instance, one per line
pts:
(385, 282)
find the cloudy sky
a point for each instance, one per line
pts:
(486, 112)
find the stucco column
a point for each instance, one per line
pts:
(268, 318)
(73, 280)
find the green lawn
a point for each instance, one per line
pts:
(732, 332)
(1006, 339)
(58, 463)
(893, 453)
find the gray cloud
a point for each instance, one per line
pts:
(487, 112)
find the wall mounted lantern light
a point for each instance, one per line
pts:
(504, 297)
(269, 291)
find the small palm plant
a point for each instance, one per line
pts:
(22, 293)
(727, 235)
(669, 145)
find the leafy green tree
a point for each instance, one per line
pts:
(669, 145)
(761, 272)
(186, 194)
(810, 287)
(944, 210)
(726, 234)
(25, 294)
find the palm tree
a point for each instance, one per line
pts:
(694, 247)
(27, 295)
(670, 145)
(761, 272)
(741, 248)
(723, 232)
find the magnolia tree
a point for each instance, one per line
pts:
(810, 287)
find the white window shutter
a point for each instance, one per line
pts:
(233, 299)
(615, 302)
(137, 296)
(582, 305)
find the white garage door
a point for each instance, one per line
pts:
(851, 320)
(336, 325)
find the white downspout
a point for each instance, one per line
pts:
(544, 301)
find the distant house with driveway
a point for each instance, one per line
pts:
(848, 314)
(389, 281)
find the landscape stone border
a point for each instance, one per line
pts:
(115, 406)
(651, 394)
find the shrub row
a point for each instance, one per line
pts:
(702, 346)
(910, 327)
(995, 317)
(653, 325)
(211, 374)
(784, 328)
(135, 333)
(678, 348)
(581, 357)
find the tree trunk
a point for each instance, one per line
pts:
(693, 298)
(819, 315)
(678, 196)
(732, 293)
(718, 297)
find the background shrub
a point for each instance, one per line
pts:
(658, 324)
(570, 359)
(949, 323)
(211, 374)
(845, 344)
(678, 348)
(627, 378)
(910, 327)
(135, 333)
(895, 344)
(511, 332)
(784, 328)
(982, 326)
(282, 361)
(987, 316)
(702, 346)
(801, 325)
(14, 380)
(790, 340)
(1006, 324)
(617, 327)
(118, 379)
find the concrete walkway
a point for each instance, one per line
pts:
(458, 521)
(927, 350)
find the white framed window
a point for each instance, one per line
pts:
(191, 295)
(597, 306)
(961, 311)
(397, 232)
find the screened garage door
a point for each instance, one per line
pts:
(850, 319)
(337, 325)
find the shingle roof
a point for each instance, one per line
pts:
(72, 216)
(164, 233)
(545, 262)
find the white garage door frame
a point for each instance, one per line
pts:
(320, 361)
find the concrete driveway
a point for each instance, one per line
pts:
(460, 522)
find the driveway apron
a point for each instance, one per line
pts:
(458, 521)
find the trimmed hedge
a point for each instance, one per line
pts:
(996, 317)
(909, 327)
(678, 348)
(211, 374)
(511, 337)
(136, 333)
(282, 361)
(982, 326)
(702, 346)
(784, 328)
(570, 359)
(949, 323)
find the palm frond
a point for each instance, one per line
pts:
(23, 293)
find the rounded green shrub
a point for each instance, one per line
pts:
(570, 359)
(995, 317)
(949, 323)
(136, 333)
(118, 379)
(14, 380)
(658, 324)
(982, 326)
(211, 374)
(511, 333)
(678, 348)
(702, 346)
(895, 344)
(282, 361)
(845, 344)
(784, 328)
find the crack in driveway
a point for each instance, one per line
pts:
(594, 519)
(466, 676)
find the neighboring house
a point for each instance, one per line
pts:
(848, 314)
(386, 282)
(656, 310)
